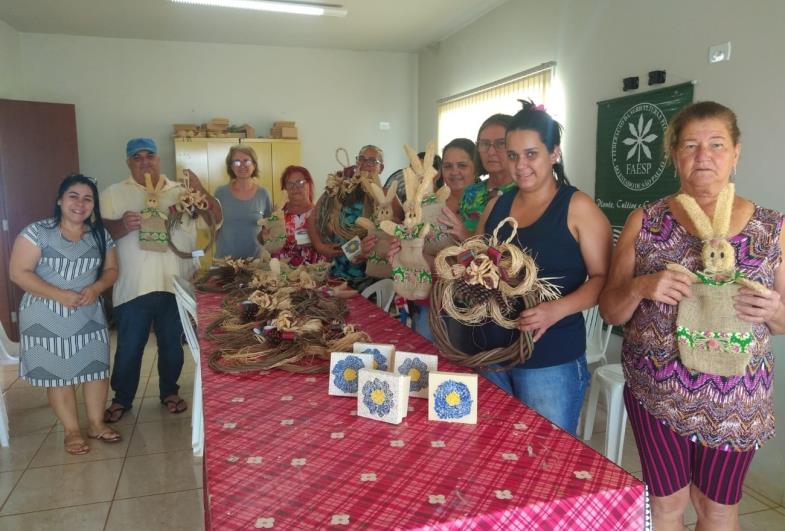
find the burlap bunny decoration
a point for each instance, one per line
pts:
(410, 271)
(377, 265)
(275, 223)
(153, 233)
(439, 236)
(712, 339)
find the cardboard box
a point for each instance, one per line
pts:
(278, 125)
(283, 132)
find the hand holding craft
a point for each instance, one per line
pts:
(539, 318)
(755, 306)
(669, 286)
(132, 220)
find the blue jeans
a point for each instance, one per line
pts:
(134, 319)
(555, 392)
(420, 321)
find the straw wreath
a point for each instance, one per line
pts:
(193, 204)
(486, 279)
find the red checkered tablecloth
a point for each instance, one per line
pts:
(282, 454)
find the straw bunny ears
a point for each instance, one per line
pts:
(718, 256)
(418, 181)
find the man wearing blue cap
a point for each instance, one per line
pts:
(143, 295)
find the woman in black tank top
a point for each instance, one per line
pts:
(570, 239)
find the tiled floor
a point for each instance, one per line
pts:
(150, 480)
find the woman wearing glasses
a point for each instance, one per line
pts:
(243, 202)
(298, 183)
(491, 159)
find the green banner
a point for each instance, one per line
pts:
(631, 166)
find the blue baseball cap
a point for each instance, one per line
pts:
(135, 145)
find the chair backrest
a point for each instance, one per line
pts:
(186, 307)
(598, 334)
(384, 290)
(9, 350)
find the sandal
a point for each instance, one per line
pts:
(114, 412)
(108, 436)
(75, 444)
(175, 404)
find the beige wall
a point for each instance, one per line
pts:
(124, 88)
(10, 66)
(598, 42)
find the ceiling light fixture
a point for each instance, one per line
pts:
(277, 6)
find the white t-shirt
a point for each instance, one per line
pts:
(143, 272)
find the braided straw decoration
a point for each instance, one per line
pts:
(490, 296)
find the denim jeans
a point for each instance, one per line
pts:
(555, 392)
(420, 321)
(134, 318)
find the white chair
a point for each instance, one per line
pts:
(186, 307)
(3, 422)
(384, 290)
(597, 336)
(609, 379)
(9, 350)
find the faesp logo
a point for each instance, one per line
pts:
(639, 130)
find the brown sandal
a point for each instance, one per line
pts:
(175, 404)
(108, 436)
(76, 445)
(114, 413)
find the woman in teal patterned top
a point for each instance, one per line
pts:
(490, 159)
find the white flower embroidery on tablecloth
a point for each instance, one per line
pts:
(520, 426)
(582, 474)
(504, 494)
(287, 422)
(287, 398)
(254, 460)
(368, 476)
(310, 379)
(437, 444)
(436, 499)
(397, 443)
(298, 461)
(232, 459)
(336, 435)
(264, 523)
(340, 519)
(238, 399)
(230, 425)
(510, 456)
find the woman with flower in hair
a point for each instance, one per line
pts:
(570, 240)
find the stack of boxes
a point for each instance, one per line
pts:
(283, 130)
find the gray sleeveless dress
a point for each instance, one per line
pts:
(59, 346)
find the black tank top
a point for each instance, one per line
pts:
(549, 241)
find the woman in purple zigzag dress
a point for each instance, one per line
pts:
(696, 432)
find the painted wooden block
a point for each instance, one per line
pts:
(344, 372)
(382, 354)
(382, 395)
(417, 367)
(452, 397)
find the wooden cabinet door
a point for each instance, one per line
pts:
(284, 153)
(37, 150)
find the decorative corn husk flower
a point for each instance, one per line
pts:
(487, 279)
(191, 204)
(377, 265)
(343, 188)
(152, 234)
(711, 337)
(438, 236)
(410, 272)
(275, 224)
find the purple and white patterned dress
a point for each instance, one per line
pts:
(730, 413)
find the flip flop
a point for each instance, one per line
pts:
(108, 436)
(75, 445)
(114, 413)
(175, 404)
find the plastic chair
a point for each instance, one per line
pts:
(609, 378)
(9, 350)
(597, 336)
(3, 422)
(384, 290)
(186, 307)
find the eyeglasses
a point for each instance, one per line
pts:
(455, 165)
(238, 163)
(362, 161)
(484, 145)
(291, 185)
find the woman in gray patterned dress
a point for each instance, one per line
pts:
(63, 264)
